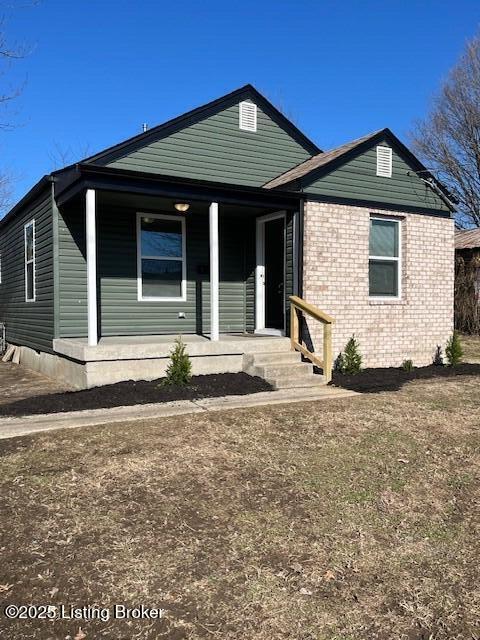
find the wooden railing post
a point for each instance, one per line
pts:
(297, 305)
(294, 327)
(327, 352)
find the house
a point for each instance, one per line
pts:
(467, 280)
(206, 226)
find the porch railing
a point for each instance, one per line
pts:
(297, 306)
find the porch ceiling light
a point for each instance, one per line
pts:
(182, 206)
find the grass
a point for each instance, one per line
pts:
(471, 348)
(347, 519)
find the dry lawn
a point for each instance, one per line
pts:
(471, 348)
(342, 520)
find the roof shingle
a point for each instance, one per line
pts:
(317, 161)
(467, 239)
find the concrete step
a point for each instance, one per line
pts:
(273, 370)
(296, 381)
(277, 357)
(266, 345)
(281, 367)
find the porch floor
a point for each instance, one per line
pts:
(160, 346)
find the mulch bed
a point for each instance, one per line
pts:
(392, 378)
(130, 393)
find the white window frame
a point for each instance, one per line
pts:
(390, 159)
(397, 259)
(183, 259)
(32, 260)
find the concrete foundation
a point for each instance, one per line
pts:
(142, 357)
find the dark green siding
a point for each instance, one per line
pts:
(250, 263)
(121, 313)
(216, 149)
(357, 179)
(72, 272)
(28, 323)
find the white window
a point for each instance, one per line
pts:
(29, 238)
(385, 258)
(161, 257)
(248, 116)
(384, 162)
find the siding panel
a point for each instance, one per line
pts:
(28, 323)
(216, 149)
(121, 313)
(357, 179)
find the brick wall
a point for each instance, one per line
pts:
(336, 280)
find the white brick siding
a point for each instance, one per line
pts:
(335, 278)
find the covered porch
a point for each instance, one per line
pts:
(142, 255)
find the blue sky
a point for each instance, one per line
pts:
(98, 69)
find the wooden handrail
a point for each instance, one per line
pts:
(311, 309)
(296, 305)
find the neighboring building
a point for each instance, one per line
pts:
(99, 260)
(467, 280)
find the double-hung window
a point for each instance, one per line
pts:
(29, 239)
(384, 258)
(161, 257)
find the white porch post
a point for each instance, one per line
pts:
(214, 278)
(90, 208)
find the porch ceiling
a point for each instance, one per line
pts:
(141, 202)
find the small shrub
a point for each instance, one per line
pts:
(339, 363)
(407, 365)
(179, 371)
(352, 358)
(453, 350)
(438, 357)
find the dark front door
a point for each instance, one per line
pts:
(274, 238)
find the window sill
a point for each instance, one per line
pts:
(386, 301)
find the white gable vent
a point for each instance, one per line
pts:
(384, 162)
(248, 116)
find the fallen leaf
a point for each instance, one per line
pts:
(53, 592)
(329, 575)
(305, 592)
(80, 635)
(5, 587)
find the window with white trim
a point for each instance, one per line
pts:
(161, 257)
(29, 240)
(384, 162)
(247, 116)
(384, 258)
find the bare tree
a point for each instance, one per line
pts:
(61, 156)
(448, 140)
(8, 54)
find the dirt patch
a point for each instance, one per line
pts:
(375, 380)
(17, 383)
(130, 393)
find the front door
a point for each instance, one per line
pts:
(271, 274)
